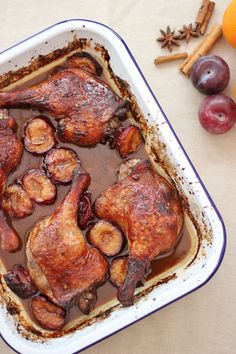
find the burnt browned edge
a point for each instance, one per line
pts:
(31, 333)
(27, 330)
(36, 63)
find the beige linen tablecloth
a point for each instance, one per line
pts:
(205, 321)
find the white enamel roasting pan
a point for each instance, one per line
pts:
(210, 225)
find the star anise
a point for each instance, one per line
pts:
(189, 31)
(168, 39)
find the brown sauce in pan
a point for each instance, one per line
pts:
(100, 162)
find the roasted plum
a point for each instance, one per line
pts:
(126, 167)
(60, 163)
(87, 301)
(39, 135)
(85, 214)
(10, 240)
(18, 280)
(210, 74)
(106, 237)
(39, 187)
(16, 202)
(48, 315)
(118, 271)
(128, 140)
(217, 114)
(110, 132)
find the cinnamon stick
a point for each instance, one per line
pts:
(195, 50)
(202, 49)
(171, 57)
(207, 18)
(202, 12)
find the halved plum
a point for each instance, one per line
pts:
(60, 163)
(16, 202)
(39, 187)
(106, 237)
(39, 135)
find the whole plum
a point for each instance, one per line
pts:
(210, 74)
(217, 113)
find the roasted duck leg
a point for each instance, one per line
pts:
(62, 266)
(3, 178)
(9, 239)
(147, 209)
(86, 104)
(11, 151)
(11, 148)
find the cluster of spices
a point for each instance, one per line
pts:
(170, 39)
(209, 74)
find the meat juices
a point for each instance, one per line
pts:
(39, 135)
(60, 164)
(16, 202)
(39, 187)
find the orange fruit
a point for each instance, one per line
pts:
(229, 24)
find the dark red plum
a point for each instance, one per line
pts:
(217, 113)
(210, 74)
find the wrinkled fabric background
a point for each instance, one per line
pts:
(205, 321)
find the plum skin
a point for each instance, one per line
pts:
(210, 74)
(217, 113)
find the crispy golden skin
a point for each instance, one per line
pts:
(86, 104)
(11, 148)
(9, 239)
(60, 263)
(147, 209)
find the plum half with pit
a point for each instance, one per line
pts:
(210, 74)
(217, 113)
